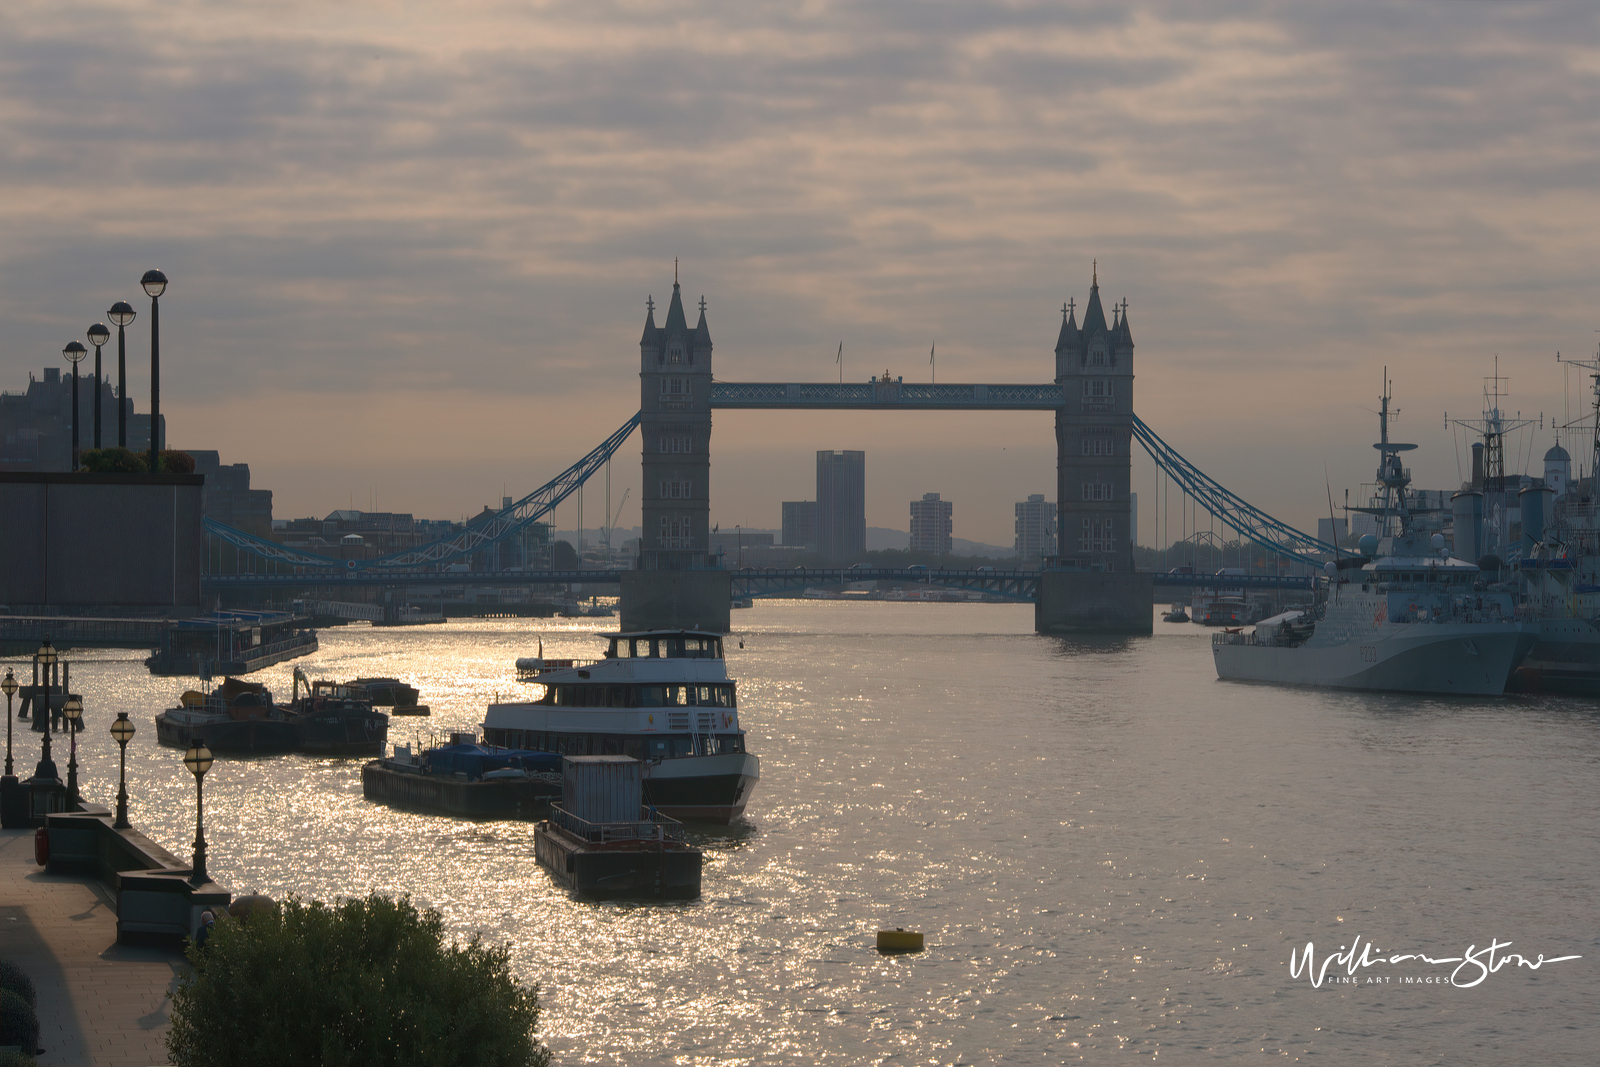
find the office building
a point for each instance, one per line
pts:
(1036, 528)
(931, 524)
(842, 505)
(800, 524)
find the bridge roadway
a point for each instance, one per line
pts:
(747, 582)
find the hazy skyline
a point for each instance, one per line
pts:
(410, 245)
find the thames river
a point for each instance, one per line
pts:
(1113, 855)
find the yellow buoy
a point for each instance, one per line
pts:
(899, 940)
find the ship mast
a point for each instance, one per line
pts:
(1392, 475)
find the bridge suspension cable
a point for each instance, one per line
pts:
(474, 538)
(1248, 520)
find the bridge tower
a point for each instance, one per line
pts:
(675, 398)
(1094, 438)
(674, 585)
(1093, 588)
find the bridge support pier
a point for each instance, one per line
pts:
(1094, 602)
(670, 600)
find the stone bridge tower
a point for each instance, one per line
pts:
(1094, 438)
(675, 398)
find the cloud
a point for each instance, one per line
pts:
(363, 205)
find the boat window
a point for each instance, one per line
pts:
(614, 649)
(682, 746)
(659, 746)
(633, 746)
(617, 697)
(672, 647)
(674, 696)
(651, 696)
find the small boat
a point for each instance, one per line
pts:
(1177, 614)
(602, 843)
(465, 778)
(333, 721)
(388, 693)
(236, 716)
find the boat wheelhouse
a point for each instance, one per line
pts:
(660, 696)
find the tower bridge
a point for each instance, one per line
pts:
(678, 581)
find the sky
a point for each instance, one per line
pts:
(410, 244)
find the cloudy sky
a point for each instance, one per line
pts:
(410, 243)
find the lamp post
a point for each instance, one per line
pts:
(73, 710)
(198, 760)
(10, 686)
(99, 334)
(155, 283)
(46, 658)
(122, 730)
(74, 352)
(122, 313)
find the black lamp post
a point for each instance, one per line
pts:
(122, 730)
(73, 710)
(10, 686)
(155, 283)
(198, 760)
(122, 313)
(99, 334)
(46, 658)
(74, 353)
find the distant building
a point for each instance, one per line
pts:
(228, 498)
(931, 524)
(1036, 527)
(36, 426)
(800, 523)
(842, 505)
(1333, 531)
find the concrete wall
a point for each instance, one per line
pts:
(1094, 602)
(101, 540)
(664, 600)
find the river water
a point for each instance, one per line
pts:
(1112, 854)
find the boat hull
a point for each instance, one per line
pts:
(646, 871)
(1566, 659)
(1467, 659)
(229, 735)
(703, 788)
(449, 795)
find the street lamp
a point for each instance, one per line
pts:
(73, 710)
(198, 760)
(155, 283)
(10, 686)
(122, 313)
(45, 658)
(74, 352)
(122, 730)
(99, 334)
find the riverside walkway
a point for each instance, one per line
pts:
(101, 1004)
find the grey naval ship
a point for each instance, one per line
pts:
(1404, 617)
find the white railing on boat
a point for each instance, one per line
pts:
(659, 828)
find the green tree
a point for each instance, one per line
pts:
(112, 461)
(364, 981)
(563, 557)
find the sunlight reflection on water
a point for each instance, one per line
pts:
(1108, 850)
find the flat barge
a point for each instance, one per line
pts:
(467, 780)
(621, 850)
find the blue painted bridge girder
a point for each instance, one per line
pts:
(911, 396)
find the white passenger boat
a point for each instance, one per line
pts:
(661, 696)
(1412, 619)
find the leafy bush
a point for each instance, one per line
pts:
(16, 1059)
(18, 1023)
(112, 461)
(175, 462)
(364, 981)
(16, 979)
(127, 461)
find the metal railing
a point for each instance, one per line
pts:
(660, 828)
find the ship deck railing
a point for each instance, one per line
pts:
(528, 673)
(646, 829)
